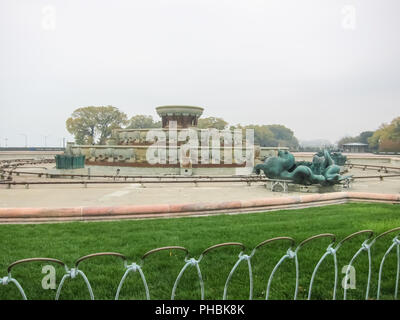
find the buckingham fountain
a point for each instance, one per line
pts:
(179, 147)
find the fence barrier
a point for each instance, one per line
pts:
(291, 254)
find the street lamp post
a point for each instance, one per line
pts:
(45, 140)
(26, 139)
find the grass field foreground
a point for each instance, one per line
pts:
(69, 241)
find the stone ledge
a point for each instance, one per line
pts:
(35, 215)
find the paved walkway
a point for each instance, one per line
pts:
(133, 194)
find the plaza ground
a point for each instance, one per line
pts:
(135, 194)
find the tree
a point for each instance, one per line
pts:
(387, 137)
(82, 125)
(394, 130)
(264, 136)
(212, 122)
(108, 119)
(142, 122)
(284, 136)
(89, 123)
(271, 135)
(280, 132)
(364, 136)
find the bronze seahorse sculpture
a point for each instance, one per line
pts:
(321, 170)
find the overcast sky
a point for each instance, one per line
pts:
(324, 68)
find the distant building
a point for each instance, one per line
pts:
(354, 147)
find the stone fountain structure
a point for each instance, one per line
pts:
(128, 149)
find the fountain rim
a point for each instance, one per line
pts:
(179, 109)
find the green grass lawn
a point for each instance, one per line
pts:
(69, 241)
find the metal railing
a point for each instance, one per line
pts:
(291, 255)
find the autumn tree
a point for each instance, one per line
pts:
(90, 123)
(387, 135)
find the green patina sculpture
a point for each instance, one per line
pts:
(322, 170)
(338, 158)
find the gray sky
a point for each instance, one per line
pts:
(313, 66)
